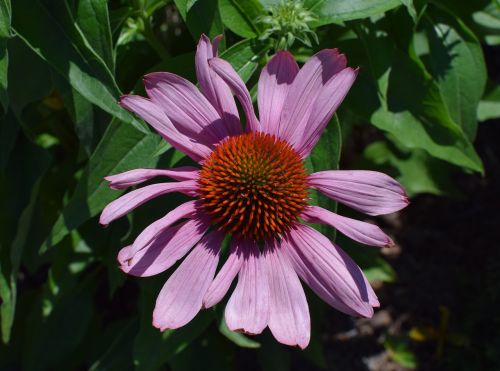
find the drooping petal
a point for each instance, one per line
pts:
(274, 83)
(214, 88)
(231, 77)
(289, 319)
(190, 112)
(248, 308)
(131, 200)
(325, 270)
(359, 231)
(164, 251)
(155, 117)
(225, 276)
(327, 102)
(186, 210)
(137, 176)
(370, 192)
(181, 297)
(360, 278)
(304, 91)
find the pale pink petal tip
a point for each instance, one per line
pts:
(225, 276)
(136, 176)
(234, 81)
(164, 251)
(357, 230)
(131, 200)
(181, 297)
(330, 272)
(289, 319)
(247, 310)
(370, 192)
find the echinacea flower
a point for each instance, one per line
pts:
(251, 184)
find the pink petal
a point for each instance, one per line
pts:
(155, 117)
(274, 83)
(137, 176)
(327, 102)
(163, 252)
(370, 192)
(181, 297)
(362, 232)
(325, 269)
(225, 276)
(248, 308)
(229, 75)
(190, 112)
(186, 210)
(289, 319)
(131, 200)
(361, 279)
(214, 88)
(304, 91)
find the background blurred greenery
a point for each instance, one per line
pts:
(413, 113)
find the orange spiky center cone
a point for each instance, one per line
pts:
(254, 185)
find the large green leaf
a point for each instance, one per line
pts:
(49, 40)
(402, 99)
(121, 148)
(335, 11)
(201, 16)
(458, 67)
(416, 170)
(5, 16)
(240, 16)
(93, 19)
(82, 114)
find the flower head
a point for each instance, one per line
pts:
(251, 183)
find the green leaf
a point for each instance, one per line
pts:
(236, 337)
(201, 17)
(50, 41)
(416, 117)
(336, 11)
(415, 169)
(425, 103)
(240, 16)
(245, 56)
(489, 106)
(93, 19)
(487, 23)
(400, 353)
(7, 308)
(326, 156)
(5, 17)
(121, 148)
(458, 67)
(81, 112)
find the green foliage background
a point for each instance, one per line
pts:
(65, 305)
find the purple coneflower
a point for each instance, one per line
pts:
(251, 184)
